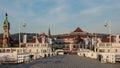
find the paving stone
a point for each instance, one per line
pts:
(65, 61)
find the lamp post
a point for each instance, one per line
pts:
(19, 36)
(108, 24)
(24, 25)
(2, 12)
(110, 31)
(24, 37)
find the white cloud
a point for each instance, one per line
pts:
(94, 10)
(59, 14)
(55, 15)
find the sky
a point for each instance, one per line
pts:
(61, 16)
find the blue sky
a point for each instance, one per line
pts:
(61, 16)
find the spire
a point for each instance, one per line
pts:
(6, 19)
(49, 33)
(6, 14)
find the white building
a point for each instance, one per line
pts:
(39, 46)
(33, 49)
(27, 50)
(109, 51)
(104, 51)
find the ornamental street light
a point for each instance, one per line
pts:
(108, 24)
(19, 36)
(2, 12)
(24, 25)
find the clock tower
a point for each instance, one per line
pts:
(6, 28)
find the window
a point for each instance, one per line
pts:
(102, 45)
(30, 50)
(13, 50)
(67, 46)
(37, 50)
(108, 50)
(101, 50)
(108, 44)
(23, 50)
(96, 49)
(107, 56)
(0, 50)
(18, 51)
(116, 50)
(44, 51)
(8, 50)
(74, 46)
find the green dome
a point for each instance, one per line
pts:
(6, 20)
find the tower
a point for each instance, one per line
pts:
(49, 37)
(49, 33)
(6, 28)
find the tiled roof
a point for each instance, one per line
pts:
(34, 40)
(1, 41)
(40, 40)
(83, 36)
(13, 41)
(31, 41)
(108, 39)
(73, 36)
(69, 36)
(78, 30)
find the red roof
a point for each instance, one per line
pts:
(83, 36)
(1, 41)
(34, 40)
(40, 40)
(73, 36)
(31, 41)
(69, 36)
(108, 39)
(14, 41)
(78, 30)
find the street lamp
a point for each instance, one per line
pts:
(2, 12)
(24, 37)
(24, 25)
(108, 24)
(19, 36)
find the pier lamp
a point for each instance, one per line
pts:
(24, 25)
(108, 24)
(2, 12)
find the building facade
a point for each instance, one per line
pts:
(28, 50)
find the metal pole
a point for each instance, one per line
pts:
(110, 31)
(25, 40)
(108, 24)
(2, 12)
(19, 36)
